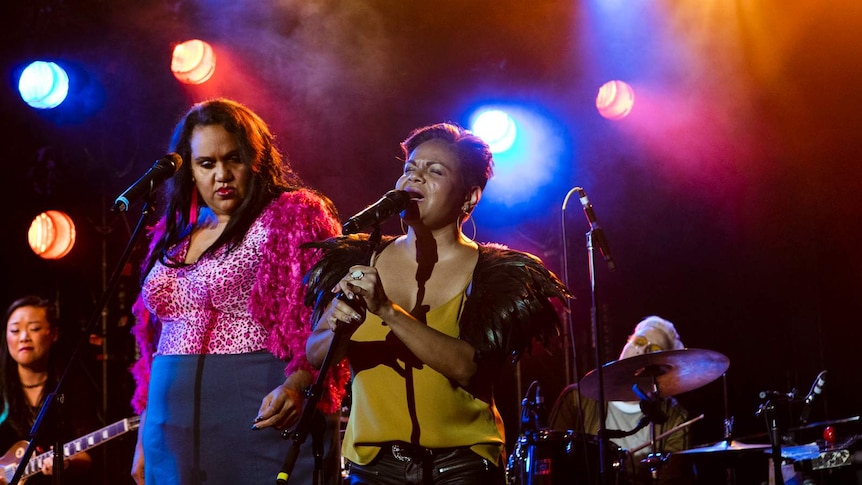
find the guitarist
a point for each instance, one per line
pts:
(29, 370)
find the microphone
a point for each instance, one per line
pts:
(541, 411)
(390, 204)
(529, 408)
(816, 389)
(158, 173)
(598, 233)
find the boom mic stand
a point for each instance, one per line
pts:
(569, 348)
(598, 351)
(55, 398)
(311, 419)
(595, 234)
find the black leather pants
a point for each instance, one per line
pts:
(400, 464)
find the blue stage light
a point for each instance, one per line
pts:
(43, 85)
(497, 128)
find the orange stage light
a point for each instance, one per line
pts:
(615, 100)
(193, 62)
(51, 234)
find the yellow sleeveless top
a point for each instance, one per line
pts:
(396, 398)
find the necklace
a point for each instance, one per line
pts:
(33, 386)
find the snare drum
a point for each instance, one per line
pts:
(550, 457)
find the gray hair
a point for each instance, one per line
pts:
(664, 327)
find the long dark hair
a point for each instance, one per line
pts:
(271, 175)
(16, 410)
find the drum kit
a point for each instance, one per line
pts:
(551, 457)
(554, 457)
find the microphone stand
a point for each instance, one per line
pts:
(595, 233)
(569, 347)
(768, 408)
(311, 420)
(54, 400)
(597, 345)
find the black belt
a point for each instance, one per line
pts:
(403, 451)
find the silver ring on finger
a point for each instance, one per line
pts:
(357, 275)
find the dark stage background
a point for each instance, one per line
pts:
(730, 196)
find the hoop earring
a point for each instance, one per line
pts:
(472, 221)
(403, 229)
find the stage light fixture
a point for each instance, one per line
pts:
(497, 128)
(43, 85)
(615, 100)
(51, 234)
(193, 61)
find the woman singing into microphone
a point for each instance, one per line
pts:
(443, 315)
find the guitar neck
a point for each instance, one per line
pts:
(84, 443)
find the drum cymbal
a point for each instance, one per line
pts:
(830, 422)
(724, 447)
(673, 372)
(825, 423)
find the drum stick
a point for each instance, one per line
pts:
(667, 433)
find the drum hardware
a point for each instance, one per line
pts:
(655, 460)
(816, 457)
(534, 415)
(666, 373)
(554, 457)
(768, 410)
(727, 445)
(817, 424)
(652, 414)
(666, 434)
(727, 450)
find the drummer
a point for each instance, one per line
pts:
(651, 334)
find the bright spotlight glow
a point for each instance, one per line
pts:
(193, 62)
(534, 151)
(615, 100)
(51, 234)
(497, 128)
(43, 85)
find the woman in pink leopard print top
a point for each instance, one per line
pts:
(220, 321)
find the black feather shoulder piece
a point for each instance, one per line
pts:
(510, 303)
(339, 254)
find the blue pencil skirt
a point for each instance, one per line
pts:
(198, 425)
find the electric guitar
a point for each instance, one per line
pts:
(9, 462)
